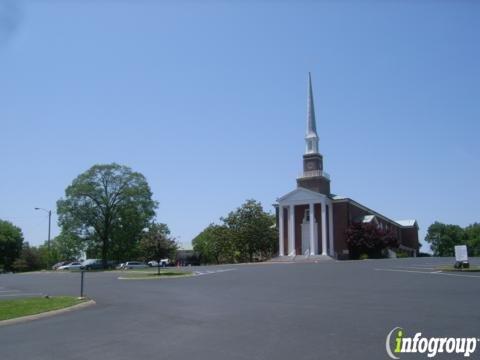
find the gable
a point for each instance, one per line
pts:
(300, 195)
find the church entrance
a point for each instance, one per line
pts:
(303, 223)
(306, 233)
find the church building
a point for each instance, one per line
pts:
(313, 222)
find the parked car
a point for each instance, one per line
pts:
(76, 265)
(92, 264)
(97, 264)
(134, 265)
(163, 263)
(61, 263)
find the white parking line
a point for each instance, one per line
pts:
(450, 274)
(407, 271)
(416, 267)
(435, 265)
(209, 272)
(429, 272)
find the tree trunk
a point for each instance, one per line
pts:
(104, 253)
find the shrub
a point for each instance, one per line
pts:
(368, 238)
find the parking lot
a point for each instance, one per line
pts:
(327, 310)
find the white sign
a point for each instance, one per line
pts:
(461, 253)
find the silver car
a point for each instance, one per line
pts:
(72, 266)
(134, 265)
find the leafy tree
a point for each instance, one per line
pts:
(203, 245)
(127, 236)
(443, 238)
(29, 260)
(253, 231)
(472, 233)
(105, 201)
(47, 257)
(67, 246)
(11, 240)
(246, 234)
(215, 244)
(157, 243)
(368, 239)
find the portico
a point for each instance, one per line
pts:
(305, 224)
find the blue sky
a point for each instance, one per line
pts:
(208, 101)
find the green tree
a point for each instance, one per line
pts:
(247, 234)
(67, 246)
(253, 231)
(156, 243)
(48, 257)
(127, 236)
(11, 241)
(369, 239)
(215, 245)
(444, 237)
(30, 259)
(105, 201)
(472, 233)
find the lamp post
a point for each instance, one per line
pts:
(49, 226)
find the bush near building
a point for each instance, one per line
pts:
(367, 240)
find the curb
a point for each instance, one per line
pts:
(46, 314)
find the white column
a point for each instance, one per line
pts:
(324, 229)
(330, 228)
(280, 229)
(312, 229)
(291, 231)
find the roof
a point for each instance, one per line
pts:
(403, 223)
(185, 246)
(408, 222)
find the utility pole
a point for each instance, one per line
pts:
(49, 228)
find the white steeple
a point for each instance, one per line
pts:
(311, 138)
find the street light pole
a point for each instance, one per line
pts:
(48, 241)
(49, 227)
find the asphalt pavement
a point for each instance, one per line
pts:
(325, 310)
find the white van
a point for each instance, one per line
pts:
(163, 263)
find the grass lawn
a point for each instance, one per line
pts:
(10, 309)
(472, 268)
(152, 274)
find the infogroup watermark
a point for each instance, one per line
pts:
(398, 343)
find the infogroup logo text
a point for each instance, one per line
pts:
(397, 343)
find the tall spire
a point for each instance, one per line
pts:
(311, 125)
(311, 137)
